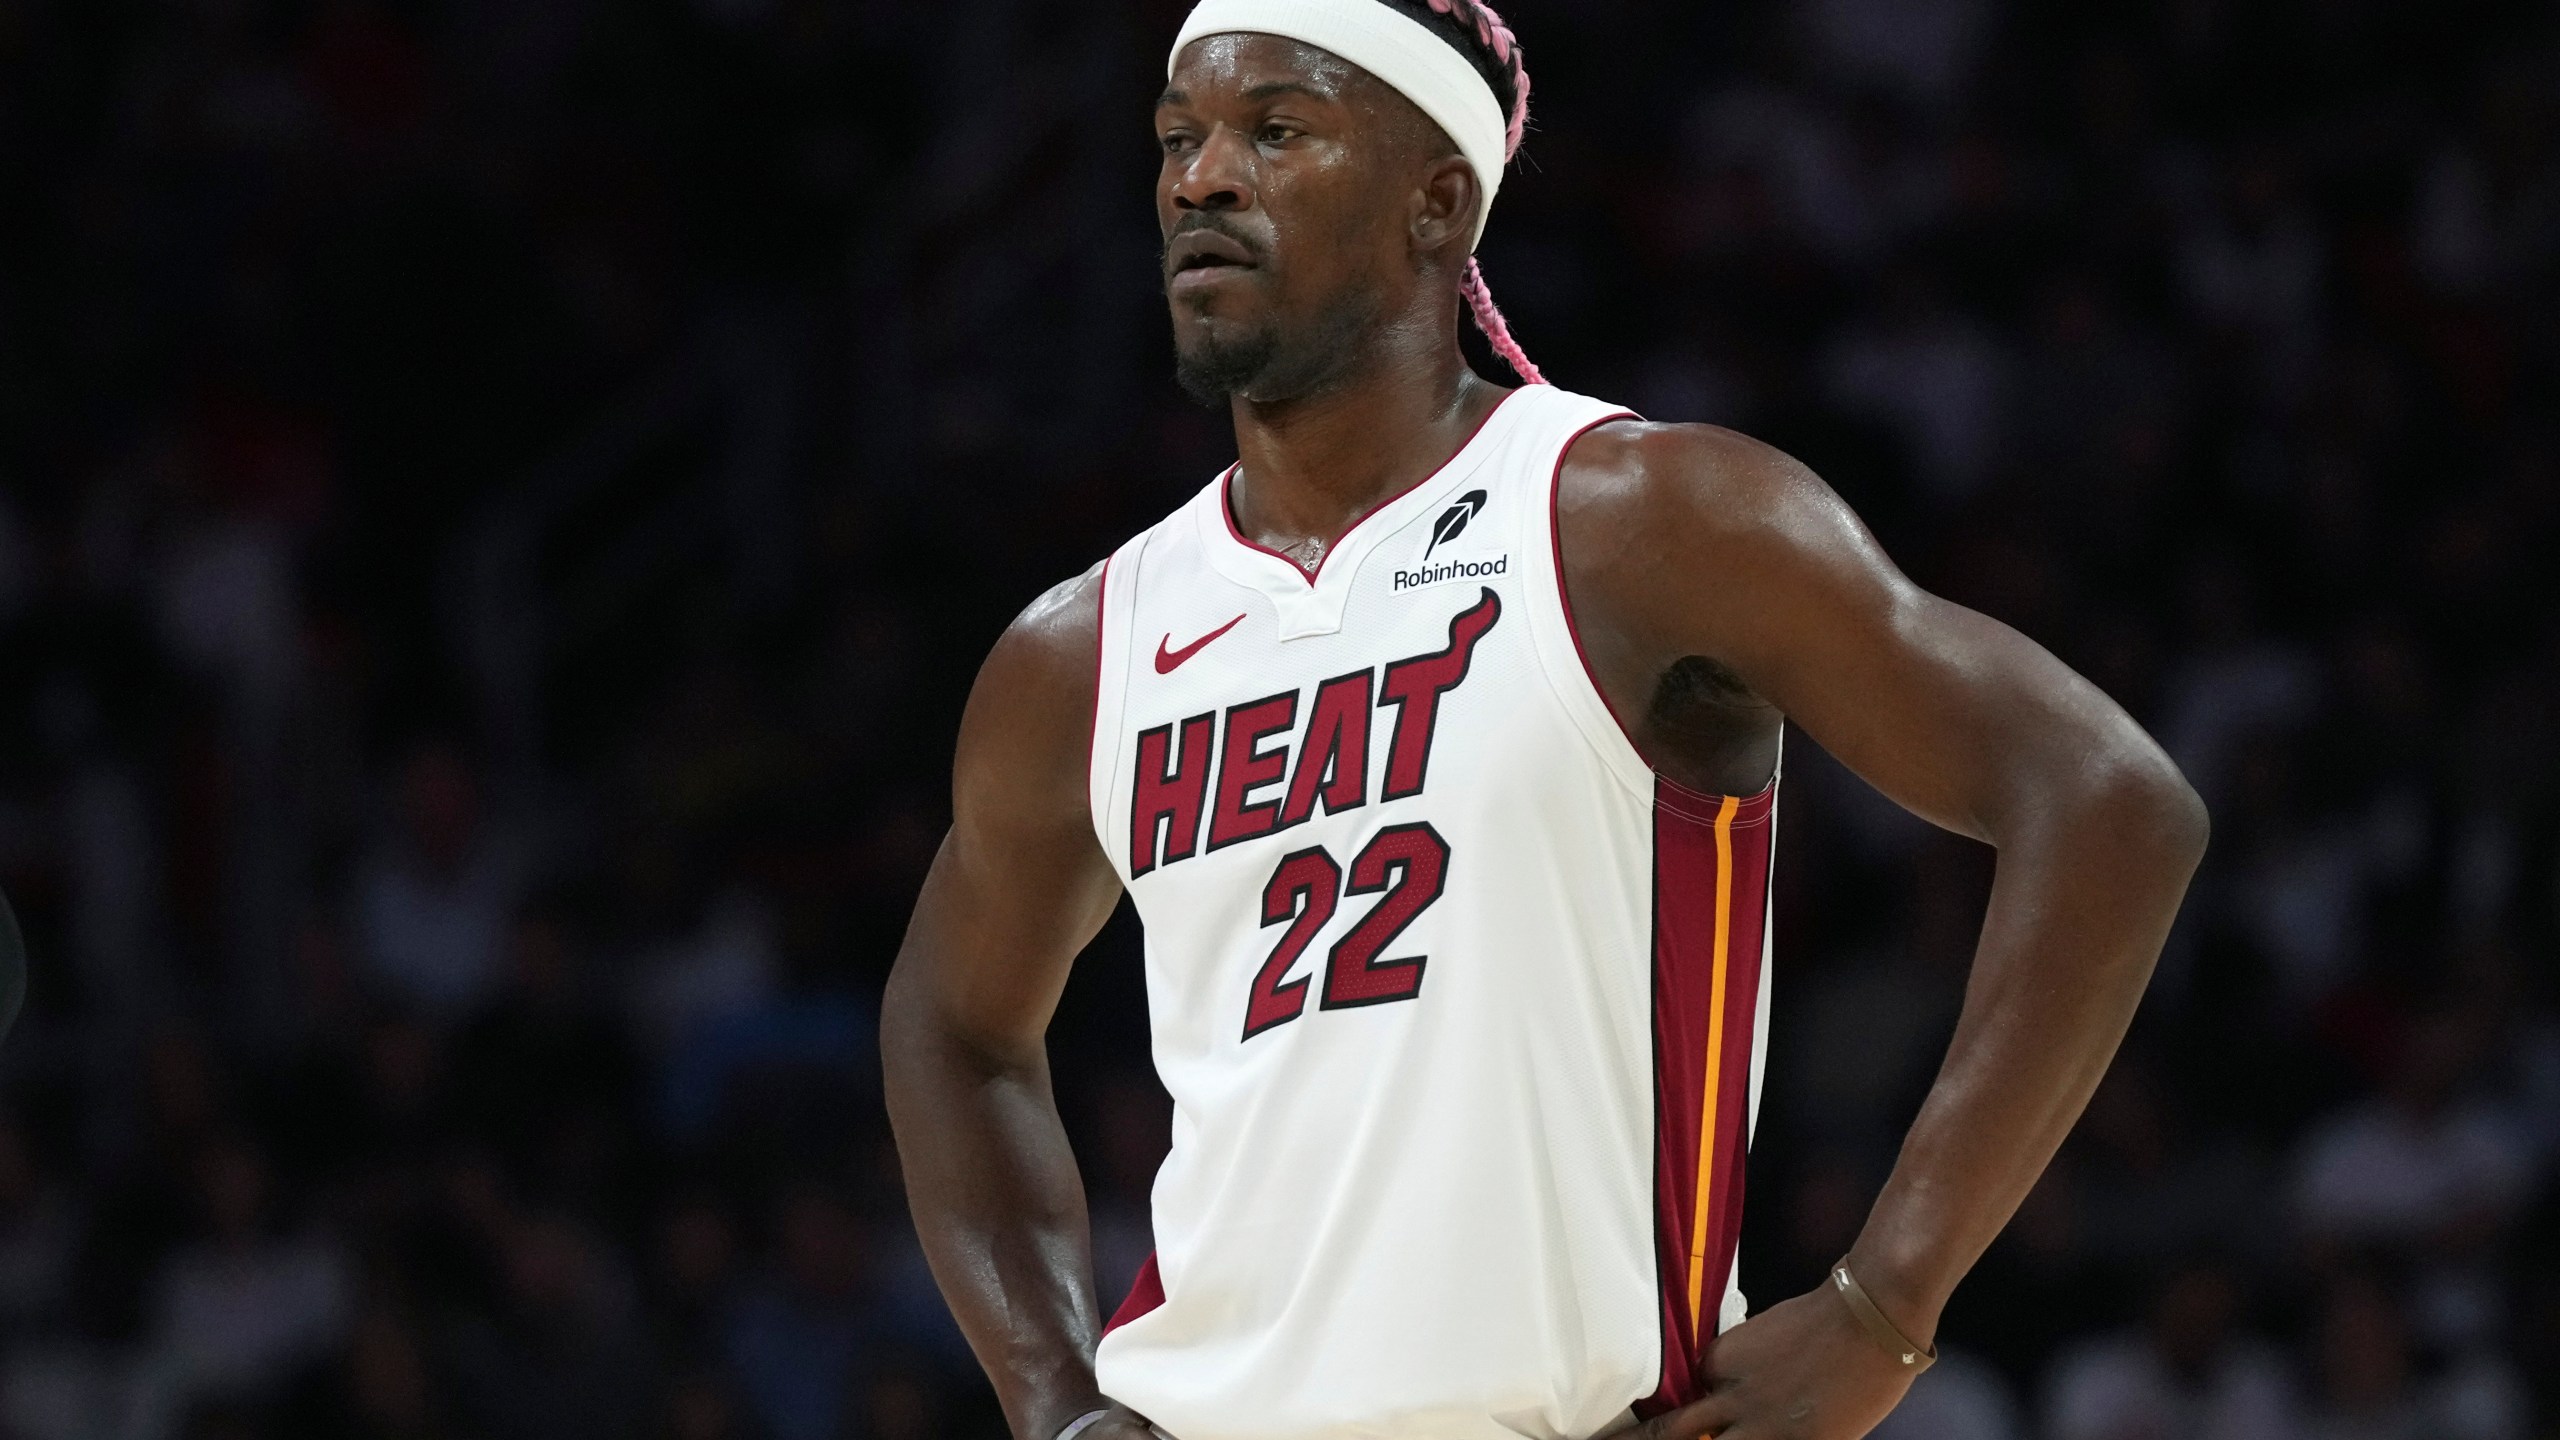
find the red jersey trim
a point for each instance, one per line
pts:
(1710, 918)
(1145, 1293)
(1756, 807)
(1101, 627)
(1227, 503)
(1564, 594)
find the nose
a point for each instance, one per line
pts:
(1218, 176)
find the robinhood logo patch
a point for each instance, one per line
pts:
(1453, 522)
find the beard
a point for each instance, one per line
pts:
(1270, 362)
(1217, 367)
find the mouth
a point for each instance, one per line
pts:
(1203, 257)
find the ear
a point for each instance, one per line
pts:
(1444, 208)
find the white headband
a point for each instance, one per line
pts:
(1391, 45)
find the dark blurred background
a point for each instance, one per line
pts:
(501, 500)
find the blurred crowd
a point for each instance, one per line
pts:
(500, 501)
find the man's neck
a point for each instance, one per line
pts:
(1309, 468)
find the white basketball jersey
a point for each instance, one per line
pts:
(1459, 1003)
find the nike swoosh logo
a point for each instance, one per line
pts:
(1169, 660)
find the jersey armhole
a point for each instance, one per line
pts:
(1559, 642)
(1569, 671)
(1119, 588)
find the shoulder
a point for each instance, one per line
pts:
(1690, 481)
(1637, 501)
(1054, 640)
(1030, 715)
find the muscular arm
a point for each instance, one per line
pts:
(1691, 542)
(1017, 889)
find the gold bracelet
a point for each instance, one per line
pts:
(1883, 1331)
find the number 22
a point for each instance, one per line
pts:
(1406, 865)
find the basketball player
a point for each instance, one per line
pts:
(1437, 743)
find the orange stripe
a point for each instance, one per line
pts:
(1715, 1066)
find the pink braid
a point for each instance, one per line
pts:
(1496, 329)
(1497, 38)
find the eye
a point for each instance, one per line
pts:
(1174, 141)
(1276, 132)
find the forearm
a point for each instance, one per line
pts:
(2082, 900)
(1000, 1208)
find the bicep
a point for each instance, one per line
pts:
(1954, 715)
(1020, 883)
(1004, 912)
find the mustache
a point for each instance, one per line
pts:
(1216, 224)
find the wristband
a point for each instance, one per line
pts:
(1884, 1332)
(1081, 1424)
